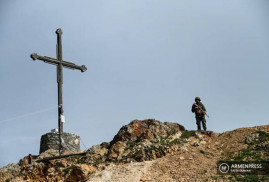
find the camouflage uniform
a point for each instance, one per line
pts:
(200, 117)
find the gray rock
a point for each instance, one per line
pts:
(251, 138)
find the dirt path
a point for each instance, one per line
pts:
(132, 172)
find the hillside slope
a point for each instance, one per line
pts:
(150, 150)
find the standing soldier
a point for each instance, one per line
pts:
(199, 109)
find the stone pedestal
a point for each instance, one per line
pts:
(70, 142)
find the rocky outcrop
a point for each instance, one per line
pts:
(140, 140)
(137, 141)
(149, 129)
(9, 172)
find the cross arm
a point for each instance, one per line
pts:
(65, 64)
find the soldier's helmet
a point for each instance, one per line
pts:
(197, 98)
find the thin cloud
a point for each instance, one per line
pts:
(28, 114)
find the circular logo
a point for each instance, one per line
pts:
(224, 168)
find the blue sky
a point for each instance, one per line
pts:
(145, 59)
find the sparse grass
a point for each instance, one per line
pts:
(163, 140)
(67, 170)
(244, 154)
(247, 154)
(263, 136)
(176, 141)
(79, 160)
(171, 133)
(124, 158)
(187, 134)
(230, 177)
(256, 156)
(97, 162)
(249, 178)
(241, 178)
(215, 177)
(76, 158)
(130, 144)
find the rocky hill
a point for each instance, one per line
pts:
(149, 151)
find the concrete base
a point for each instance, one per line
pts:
(70, 142)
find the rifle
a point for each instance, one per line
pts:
(202, 110)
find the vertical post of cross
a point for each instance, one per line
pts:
(60, 85)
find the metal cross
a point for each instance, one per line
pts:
(60, 64)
